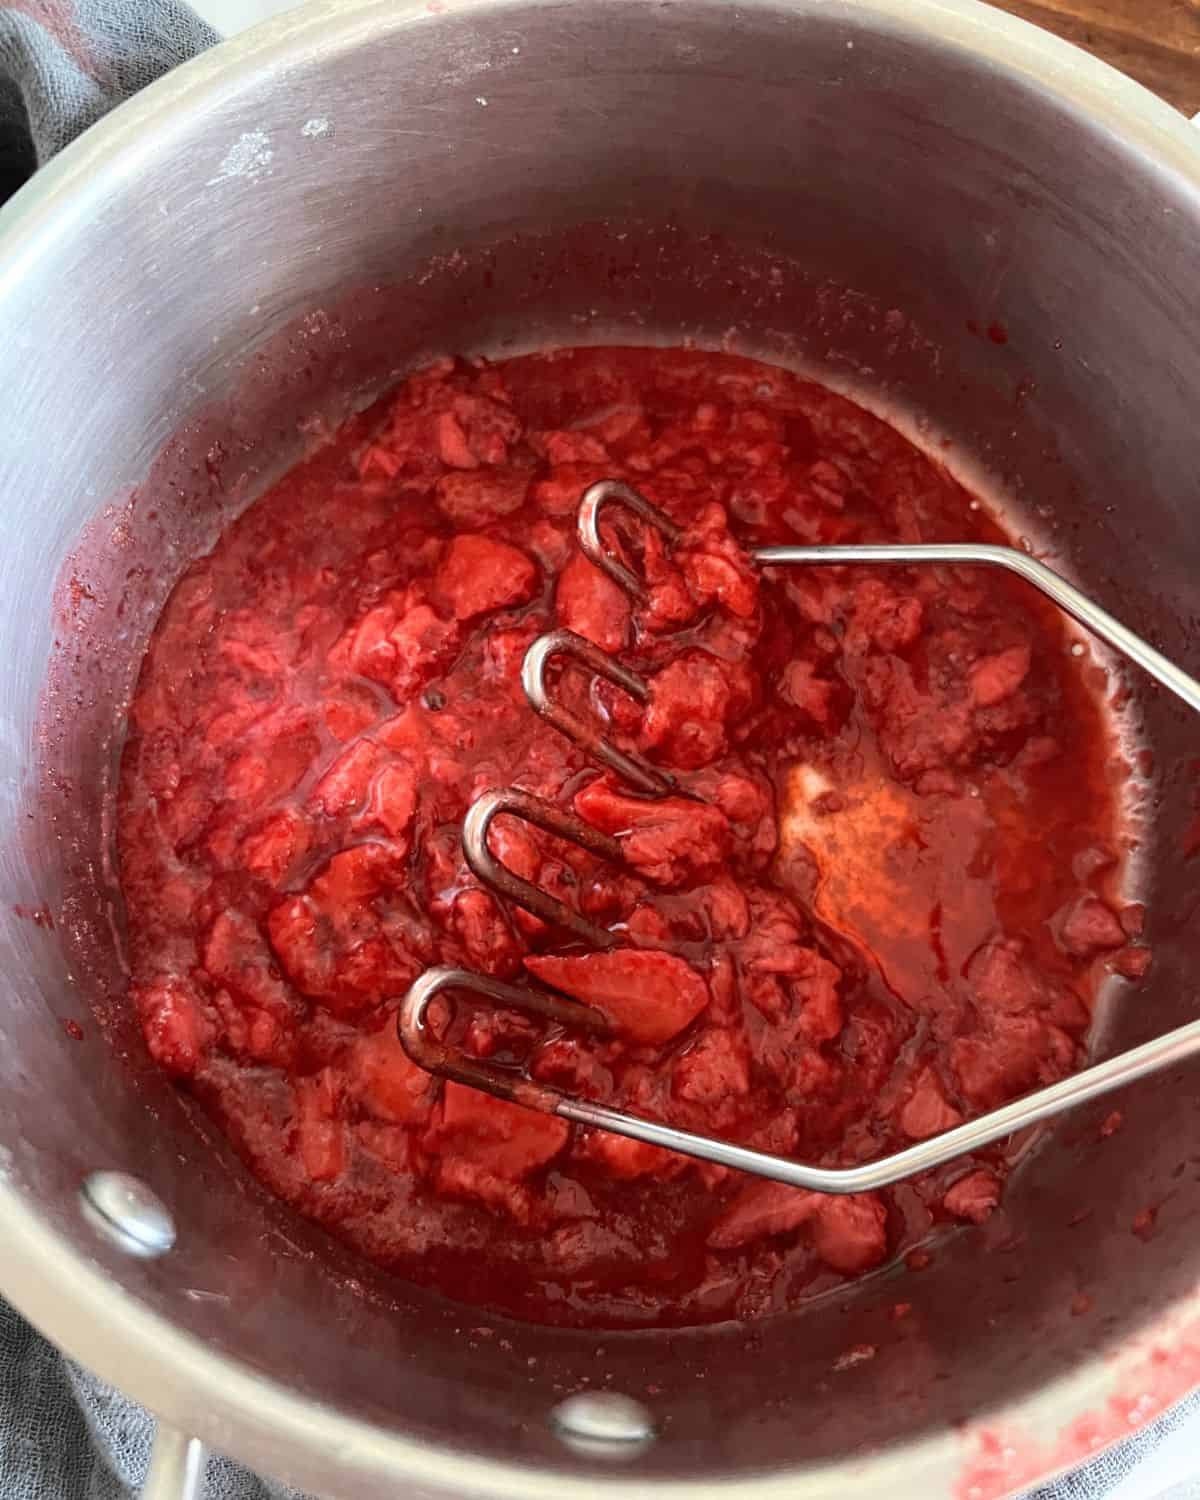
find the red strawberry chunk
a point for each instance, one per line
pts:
(669, 840)
(478, 575)
(393, 800)
(499, 1138)
(321, 1136)
(344, 786)
(176, 1033)
(848, 1233)
(973, 1197)
(591, 604)
(1088, 926)
(646, 996)
(994, 678)
(392, 1086)
(273, 847)
(762, 1208)
(927, 1111)
(476, 497)
(691, 702)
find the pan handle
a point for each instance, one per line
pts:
(177, 1464)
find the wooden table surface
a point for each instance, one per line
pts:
(1155, 41)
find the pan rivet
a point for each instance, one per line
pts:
(124, 1210)
(603, 1424)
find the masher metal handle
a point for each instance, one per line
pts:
(1053, 585)
(177, 1464)
(610, 492)
(636, 770)
(1092, 1083)
(528, 808)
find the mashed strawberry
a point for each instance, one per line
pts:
(868, 911)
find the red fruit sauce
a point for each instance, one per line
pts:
(886, 912)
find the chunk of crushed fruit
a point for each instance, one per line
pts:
(870, 909)
(647, 997)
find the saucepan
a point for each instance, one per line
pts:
(965, 223)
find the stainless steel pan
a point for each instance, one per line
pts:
(857, 188)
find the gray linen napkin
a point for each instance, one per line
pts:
(64, 1435)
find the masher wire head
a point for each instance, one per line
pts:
(613, 493)
(636, 770)
(493, 873)
(1080, 1088)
